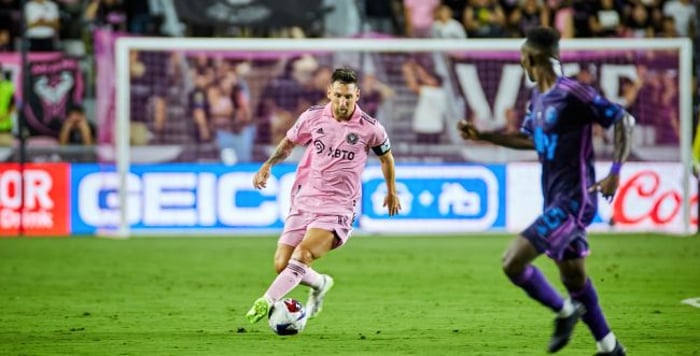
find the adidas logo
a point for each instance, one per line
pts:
(319, 131)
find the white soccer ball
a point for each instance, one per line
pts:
(287, 317)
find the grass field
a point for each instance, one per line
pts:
(393, 296)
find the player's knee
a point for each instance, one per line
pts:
(574, 279)
(280, 265)
(303, 255)
(512, 266)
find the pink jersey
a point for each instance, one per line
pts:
(329, 177)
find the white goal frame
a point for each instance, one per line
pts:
(126, 44)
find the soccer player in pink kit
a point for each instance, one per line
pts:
(339, 137)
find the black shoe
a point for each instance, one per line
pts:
(619, 350)
(563, 327)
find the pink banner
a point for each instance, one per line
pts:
(12, 64)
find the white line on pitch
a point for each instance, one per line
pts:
(693, 302)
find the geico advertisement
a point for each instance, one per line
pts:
(37, 207)
(213, 197)
(649, 198)
(180, 197)
(436, 198)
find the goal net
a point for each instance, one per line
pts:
(218, 102)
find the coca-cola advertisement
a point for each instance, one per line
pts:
(649, 198)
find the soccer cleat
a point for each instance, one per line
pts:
(315, 303)
(619, 350)
(563, 327)
(258, 311)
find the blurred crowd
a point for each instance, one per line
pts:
(219, 103)
(52, 22)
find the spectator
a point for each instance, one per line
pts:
(429, 114)
(484, 18)
(445, 26)
(199, 107)
(638, 22)
(419, 16)
(374, 93)
(6, 40)
(138, 14)
(9, 23)
(668, 28)
(684, 14)
(528, 15)
(381, 15)
(240, 138)
(606, 19)
(221, 114)
(583, 10)
(43, 25)
(562, 18)
(458, 7)
(149, 85)
(7, 108)
(76, 129)
(109, 14)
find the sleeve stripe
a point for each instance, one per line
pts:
(578, 91)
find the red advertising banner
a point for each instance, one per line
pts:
(46, 192)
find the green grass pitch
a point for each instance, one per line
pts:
(417, 295)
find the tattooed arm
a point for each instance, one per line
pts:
(623, 140)
(281, 153)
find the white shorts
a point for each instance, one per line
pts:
(298, 222)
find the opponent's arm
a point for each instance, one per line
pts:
(391, 201)
(518, 141)
(623, 140)
(284, 148)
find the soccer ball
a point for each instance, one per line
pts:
(287, 317)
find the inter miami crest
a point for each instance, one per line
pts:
(351, 138)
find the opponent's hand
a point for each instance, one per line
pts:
(606, 186)
(467, 130)
(261, 176)
(391, 201)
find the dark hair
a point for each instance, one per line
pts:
(344, 75)
(76, 108)
(543, 39)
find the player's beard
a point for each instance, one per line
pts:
(342, 113)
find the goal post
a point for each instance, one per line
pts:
(125, 45)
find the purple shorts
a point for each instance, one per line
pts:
(557, 233)
(297, 222)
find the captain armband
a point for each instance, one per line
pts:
(383, 148)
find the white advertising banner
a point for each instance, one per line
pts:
(649, 198)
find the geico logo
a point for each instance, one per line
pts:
(184, 199)
(37, 186)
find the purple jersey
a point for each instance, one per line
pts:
(560, 123)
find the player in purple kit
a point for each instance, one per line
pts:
(558, 126)
(327, 188)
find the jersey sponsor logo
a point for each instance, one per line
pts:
(34, 199)
(340, 153)
(344, 154)
(550, 115)
(545, 144)
(319, 146)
